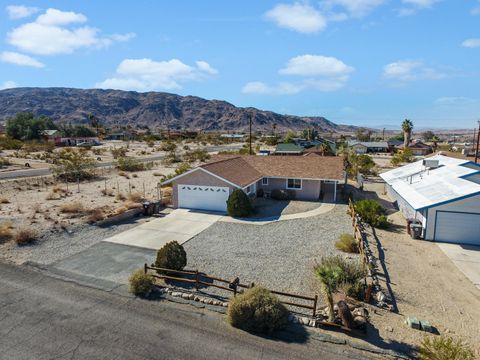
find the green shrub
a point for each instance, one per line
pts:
(141, 284)
(238, 204)
(197, 155)
(131, 164)
(119, 152)
(354, 290)
(171, 256)
(444, 348)
(347, 243)
(371, 212)
(10, 144)
(257, 310)
(282, 194)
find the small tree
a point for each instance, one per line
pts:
(73, 165)
(171, 256)
(371, 212)
(257, 310)
(238, 204)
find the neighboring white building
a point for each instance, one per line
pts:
(441, 192)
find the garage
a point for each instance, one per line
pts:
(457, 227)
(210, 198)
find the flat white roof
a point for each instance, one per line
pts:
(423, 188)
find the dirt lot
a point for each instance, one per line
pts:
(424, 283)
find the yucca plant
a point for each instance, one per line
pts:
(329, 275)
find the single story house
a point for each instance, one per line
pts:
(364, 147)
(443, 194)
(50, 135)
(288, 149)
(208, 186)
(418, 148)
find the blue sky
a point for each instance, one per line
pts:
(361, 62)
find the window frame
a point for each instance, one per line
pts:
(265, 181)
(293, 180)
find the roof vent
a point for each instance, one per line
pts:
(431, 164)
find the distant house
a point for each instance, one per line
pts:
(233, 136)
(288, 149)
(442, 194)
(120, 136)
(418, 148)
(393, 143)
(49, 135)
(2, 130)
(74, 141)
(364, 147)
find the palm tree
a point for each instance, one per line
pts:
(407, 127)
(329, 275)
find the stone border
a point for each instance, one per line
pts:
(120, 217)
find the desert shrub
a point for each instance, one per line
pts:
(140, 284)
(257, 310)
(197, 155)
(10, 144)
(132, 205)
(171, 256)
(124, 174)
(4, 162)
(156, 173)
(347, 243)
(4, 200)
(121, 197)
(238, 204)
(135, 197)
(168, 146)
(444, 348)
(120, 210)
(354, 290)
(25, 236)
(119, 152)
(96, 215)
(36, 147)
(282, 194)
(371, 212)
(107, 192)
(73, 165)
(180, 169)
(404, 156)
(72, 208)
(5, 231)
(131, 164)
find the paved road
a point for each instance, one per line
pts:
(46, 318)
(46, 171)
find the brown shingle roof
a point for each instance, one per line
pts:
(244, 170)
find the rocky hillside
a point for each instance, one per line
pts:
(153, 109)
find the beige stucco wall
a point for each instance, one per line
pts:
(310, 188)
(198, 177)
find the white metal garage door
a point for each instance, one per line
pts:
(457, 227)
(212, 198)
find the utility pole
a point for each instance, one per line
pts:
(251, 119)
(478, 140)
(383, 134)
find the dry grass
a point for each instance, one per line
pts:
(347, 243)
(72, 208)
(59, 190)
(135, 197)
(25, 236)
(120, 210)
(121, 197)
(157, 174)
(96, 215)
(4, 200)
(124, 174)
(132, 205)
(6, 231)
(107, 192)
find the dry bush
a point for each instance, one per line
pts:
(141, 284)
(121, 197)
(347, 243)
(6, 231)
(59, 190)
(53, 196)
(96, 215)
(157, 174)
(124, 174)
(120, 210)
(72, 208)
(135, 175)
(132, 205)
(107, 192)
(4, 200)
(135, 197)
(25, 236)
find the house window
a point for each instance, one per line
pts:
(249, 189)
(264, 181)
(294, 184)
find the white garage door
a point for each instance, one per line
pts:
(211, 198)
(456, 227)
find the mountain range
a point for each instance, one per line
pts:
(157, 110)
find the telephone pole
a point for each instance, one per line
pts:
(478, 140)
(250, 137)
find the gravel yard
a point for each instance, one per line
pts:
(279, 255)
(265, 208)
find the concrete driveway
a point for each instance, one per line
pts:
(466, 258)
(180, 225)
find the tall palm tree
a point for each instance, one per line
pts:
(407, 127)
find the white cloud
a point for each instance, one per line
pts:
(315, 65)
(317, 72)
(354, 8)
(283, 88)
(8, 85)
(415, 5)
(20, 59)
(407, 70)
(475, 10)
(148, 74)
(298, 17)
(49, 34)
(455, 101)
(58, 17)
(19, 11)
(471, 43)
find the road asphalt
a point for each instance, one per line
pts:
(45, 317)
(46, 171)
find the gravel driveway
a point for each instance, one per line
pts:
(279, 255)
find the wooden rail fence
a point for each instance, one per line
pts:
(198, 279)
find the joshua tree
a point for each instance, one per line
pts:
(407, 127)
(329, 275)
(324, 148)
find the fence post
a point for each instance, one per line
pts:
(315, 305)
(196, 279)
(145, 268)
